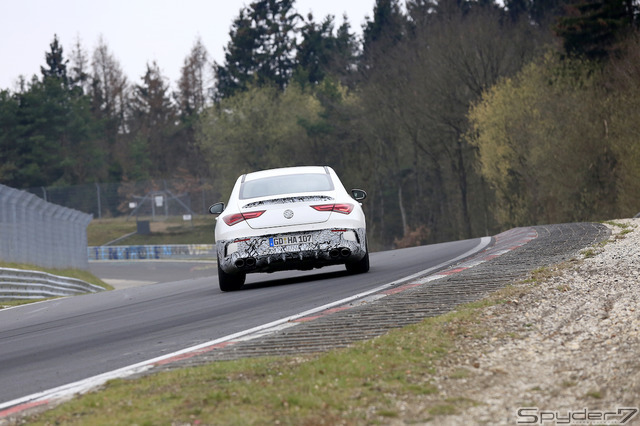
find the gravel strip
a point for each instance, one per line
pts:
(567, 345)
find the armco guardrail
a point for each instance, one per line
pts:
(36, 232)
(151, 252)
(21, 284)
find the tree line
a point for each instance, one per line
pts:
(460, 118)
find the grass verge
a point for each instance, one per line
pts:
(370, 382)
(172, 230)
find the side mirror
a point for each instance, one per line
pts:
(217, 208)
(358, 194)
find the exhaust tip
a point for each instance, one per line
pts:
(250, 262)
(345, 252)
(334, 253)
(239, 263)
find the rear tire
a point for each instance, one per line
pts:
(359, 267)
(230, 282)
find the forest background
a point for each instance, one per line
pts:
(460, 118)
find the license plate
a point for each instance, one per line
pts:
(289, 240)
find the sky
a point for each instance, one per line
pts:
(136, 32)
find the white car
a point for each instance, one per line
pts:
(294, 218)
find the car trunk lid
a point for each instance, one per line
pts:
(287, 211)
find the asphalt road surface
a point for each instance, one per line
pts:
(162, 307)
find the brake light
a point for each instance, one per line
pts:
(345, 208)
(324, 208)
(233, 219)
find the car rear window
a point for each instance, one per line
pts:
(285, 184)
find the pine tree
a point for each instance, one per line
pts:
(591, 28)
(323, 50)
(9, 161)
(383, 32)
(52, 132)
(56, 64)
(262, 47)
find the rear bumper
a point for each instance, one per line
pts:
(255, 254)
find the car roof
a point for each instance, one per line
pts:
(286, 171)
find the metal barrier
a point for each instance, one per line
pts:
(152, 252)
(17, 284)
(36, 232)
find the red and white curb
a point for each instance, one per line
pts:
(504, 243)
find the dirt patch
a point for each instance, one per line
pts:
(563, 345)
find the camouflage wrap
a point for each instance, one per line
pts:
(320, 252)
(286, 200)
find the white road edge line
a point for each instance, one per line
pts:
(67, 391)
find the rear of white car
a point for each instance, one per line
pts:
(290, 218)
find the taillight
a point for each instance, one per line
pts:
(345, 208)
(232, 219)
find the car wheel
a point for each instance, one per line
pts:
(230, 282)
(359, 267)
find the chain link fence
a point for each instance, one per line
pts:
(37, 232)
(152, 198)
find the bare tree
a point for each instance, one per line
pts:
(79, 71)
(152, 125)
(191, 95)
(109, 93)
